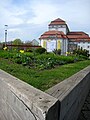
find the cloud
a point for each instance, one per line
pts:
(9, 16)
(25, 32)
(71, 10)
(29, 19)
(43, 12)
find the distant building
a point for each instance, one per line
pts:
(60, 37)
(34, 42)
(78, 40)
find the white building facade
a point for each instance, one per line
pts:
(60, 37)
(85, 45)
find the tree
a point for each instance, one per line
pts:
(28, 43)
(17, 42)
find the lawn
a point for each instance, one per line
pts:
(42, 79)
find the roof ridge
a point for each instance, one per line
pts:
(58, 20)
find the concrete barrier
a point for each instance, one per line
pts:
(20, 101)
(72, 93)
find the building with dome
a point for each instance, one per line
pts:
(60, 37)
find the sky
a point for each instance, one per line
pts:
(28, 19)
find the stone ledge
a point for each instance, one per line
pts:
(72, 93)
(16, 93)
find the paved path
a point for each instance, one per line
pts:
(85, 112)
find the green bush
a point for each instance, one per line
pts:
(82, 52)
(40, 61)
(29, 50)
(18, 61)
(6, 54)
(47, 61)
(58, 52)
(40, 50)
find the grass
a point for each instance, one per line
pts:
(42, 79)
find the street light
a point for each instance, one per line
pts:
(6, 35)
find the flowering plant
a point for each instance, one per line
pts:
(5, 48)
(21, 51)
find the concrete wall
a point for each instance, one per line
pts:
(20, 101)
(71, 94)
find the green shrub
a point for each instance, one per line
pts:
(47, 61)
(18, 61)
(29, 50)
(6, 54)
(58, 52)
(82, 52)
(40, 61)
(40, 50)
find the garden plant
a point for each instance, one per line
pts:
(39, 68)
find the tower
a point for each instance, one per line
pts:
(59, 25)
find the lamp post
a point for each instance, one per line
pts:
(6, 35)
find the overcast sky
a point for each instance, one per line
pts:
(28, 19)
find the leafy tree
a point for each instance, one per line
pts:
(17, 42)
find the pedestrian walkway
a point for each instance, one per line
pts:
(85, 112)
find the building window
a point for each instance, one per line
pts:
(44, 44)
(88, 46)
(58, 45)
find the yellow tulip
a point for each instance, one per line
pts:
(21, 51)
(5, 48)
